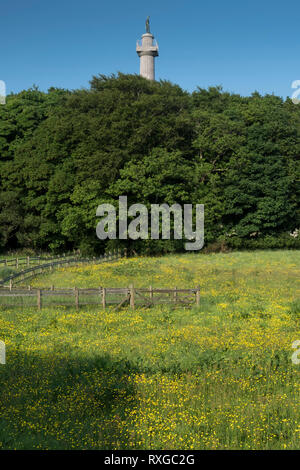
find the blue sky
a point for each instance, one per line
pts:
(242, 45)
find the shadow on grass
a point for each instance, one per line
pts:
(60, 403)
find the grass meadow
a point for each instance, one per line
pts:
(217, 376)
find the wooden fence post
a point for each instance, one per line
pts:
(76, 297)
(131, 296)
(17, 263)
(103, 297)
(10, 284)
(151, 293)
(175, 295)
(198, 296)
(39, 300)
(28, 261)
(52, 287)
(29, 287)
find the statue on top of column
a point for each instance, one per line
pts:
(148, 24)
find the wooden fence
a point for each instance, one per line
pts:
(40, 268)
(29, 260)
(102, 296)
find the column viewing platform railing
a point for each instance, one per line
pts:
(140, 45)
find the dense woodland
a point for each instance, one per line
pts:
(62, 153)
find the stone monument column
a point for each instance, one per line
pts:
(147, 49)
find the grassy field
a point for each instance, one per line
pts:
(215, 377)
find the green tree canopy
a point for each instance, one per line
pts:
(62, 153)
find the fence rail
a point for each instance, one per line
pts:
(40, 268)
(104, 296)
(28, 260)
